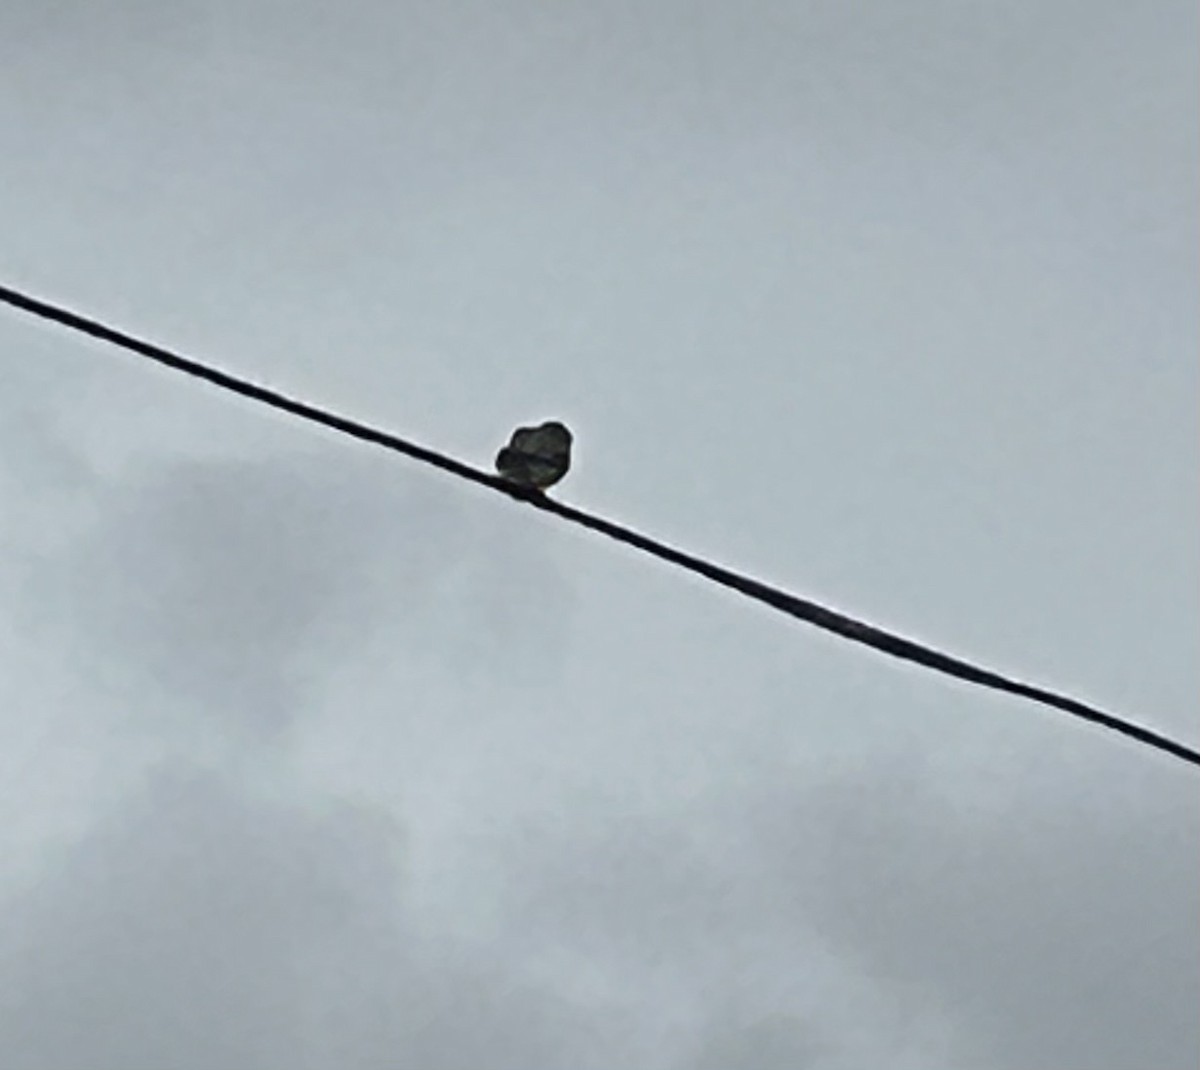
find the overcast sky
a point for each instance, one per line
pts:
(316, 758)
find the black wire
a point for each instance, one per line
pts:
(817, 615)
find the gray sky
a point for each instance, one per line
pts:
(316, 758)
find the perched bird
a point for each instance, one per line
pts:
(536, 457)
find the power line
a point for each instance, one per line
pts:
(811, 612)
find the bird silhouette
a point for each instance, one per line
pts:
(536, 457)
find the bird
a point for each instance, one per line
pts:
(536, 457)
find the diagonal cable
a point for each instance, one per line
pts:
(811, 612)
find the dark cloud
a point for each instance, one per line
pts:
(1059, 929)
(179, 932)
(215, 580)
(1055, 929)
(230, 586)
(775, 1043)
(202, 925)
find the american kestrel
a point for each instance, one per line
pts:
(536, 457)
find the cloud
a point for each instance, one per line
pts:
(201, 924)
(215, 580)
(229, 588)
(776, 1043)
(1057, 929)
(1051, 926)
